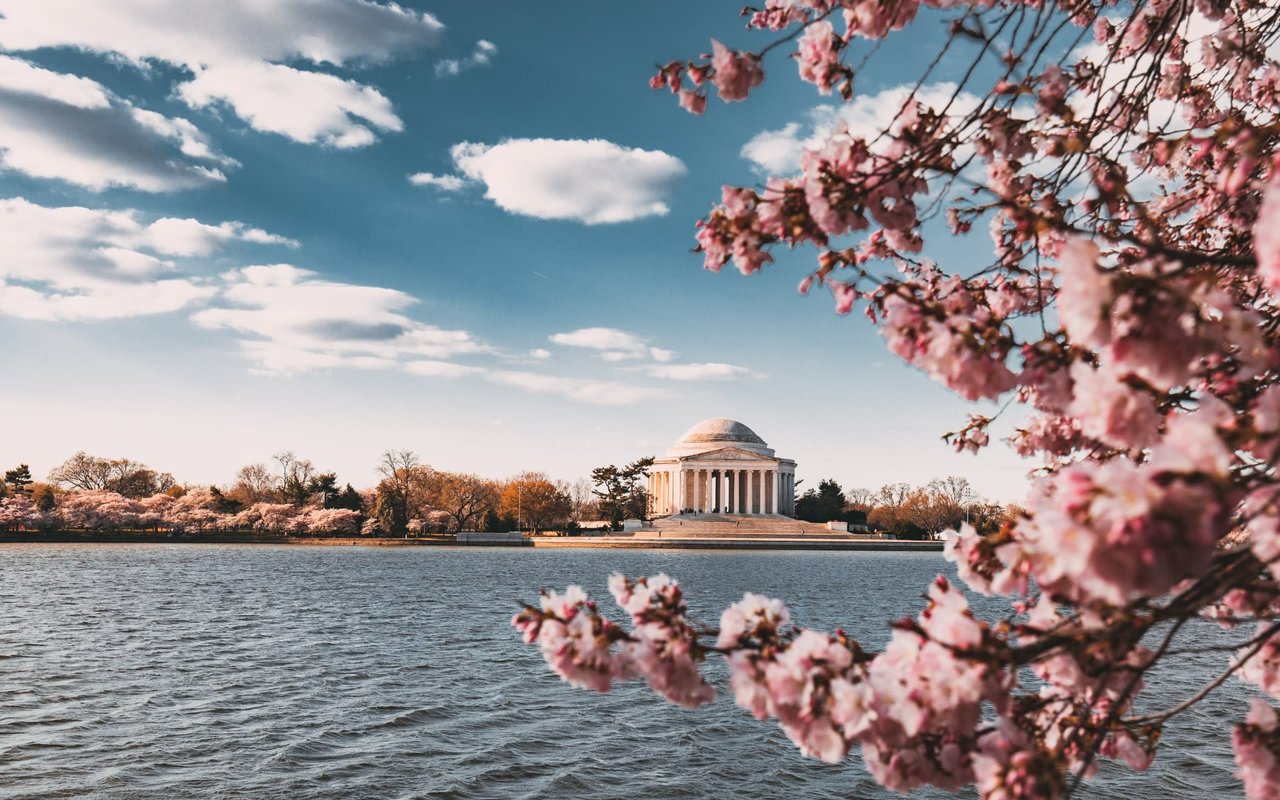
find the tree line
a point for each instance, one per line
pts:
(908, 512)
(291, 495)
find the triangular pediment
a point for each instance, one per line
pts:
(729, 454)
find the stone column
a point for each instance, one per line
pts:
(724, 491)
(751, 490)
(699, 496)
(778, 477)
(731, 483)
(766, 501)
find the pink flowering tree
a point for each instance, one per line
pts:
(1122, 160)
(18, 512)
(98, 510)
(331, 521)
(193, 512)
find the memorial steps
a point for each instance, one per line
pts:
(734, 531)
(738, 526)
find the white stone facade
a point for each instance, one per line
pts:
(721, 466)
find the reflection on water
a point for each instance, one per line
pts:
(305, 672)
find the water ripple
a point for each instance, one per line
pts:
(178, 671)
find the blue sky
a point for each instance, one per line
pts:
(211, 248)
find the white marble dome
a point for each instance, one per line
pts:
(717, 434)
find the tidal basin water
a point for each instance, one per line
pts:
(206, 671)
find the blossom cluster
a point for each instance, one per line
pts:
(1125, 164)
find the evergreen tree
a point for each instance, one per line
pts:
(499, 523)
(824, 504)
(326, 485)
(18, 478)
(348, 498)
(622, 495)
(223, 504)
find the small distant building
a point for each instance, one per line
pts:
(722, 466)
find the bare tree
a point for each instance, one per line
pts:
(893, 495)
(254, 484)
(953, 489)
(582, 500)
(400, 469)
(465, 498)
(120, 475)
(295, 474)
(859, 499)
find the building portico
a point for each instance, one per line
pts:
(721, 466)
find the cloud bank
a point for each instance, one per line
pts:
(67, 128)
(237, 51)
(291, 320)
(73, 263)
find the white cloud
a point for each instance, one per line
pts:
(213, 31)
(191, 237)
(309, 107)
(445, 183)
(20, 77)
(614, 344)
(584, 390)
(441, 369)
(696, 372)
(100, 301)
(68, 128)
(481, 56)
(238, 50)
(540, 353)
(592, 181)
(75, 263)
(296, 321)
(778, 152)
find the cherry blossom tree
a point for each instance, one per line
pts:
(1123, 161)
(18, 512)
(330, 521)
(98, 510)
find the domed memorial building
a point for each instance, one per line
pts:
(721, 466)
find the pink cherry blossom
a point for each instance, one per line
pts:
(735, 74)
(1257, 748)
(1111, 411)
(819, 56)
